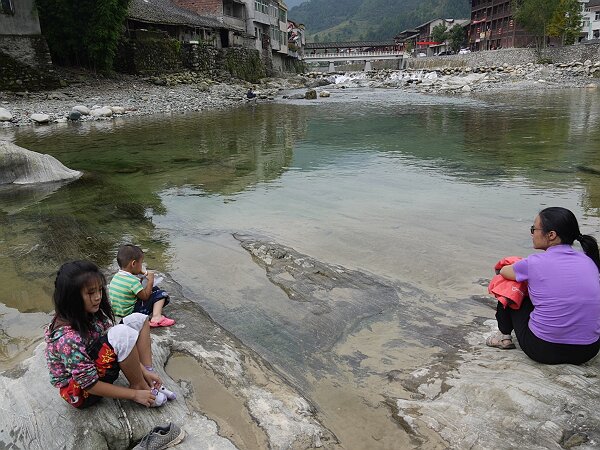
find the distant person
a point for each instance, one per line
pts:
(558, 321)
(250, 94)
(128, 293)
(85, 350)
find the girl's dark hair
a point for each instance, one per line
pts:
(564, 224)
(68, 302)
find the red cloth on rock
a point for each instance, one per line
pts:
(508, 292)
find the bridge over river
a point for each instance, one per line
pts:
(367, 51)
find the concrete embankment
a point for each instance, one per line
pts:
(511, 57)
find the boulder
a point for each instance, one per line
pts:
(22, 166)
(5, 115)
(324, 94)
(40, 118)
(103, 111)
(84, 110)
(74, 115)
(117, 109)
(311, 94)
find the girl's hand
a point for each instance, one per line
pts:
(144, 397)
(152, 378)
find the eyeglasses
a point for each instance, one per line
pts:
(533, 228)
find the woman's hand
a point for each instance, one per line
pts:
(151, 378)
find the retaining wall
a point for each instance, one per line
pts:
(152, 55)
(25, 64)
(510, 56)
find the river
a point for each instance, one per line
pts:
(415, 189)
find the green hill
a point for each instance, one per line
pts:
(343, 20)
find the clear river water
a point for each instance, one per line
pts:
(424, 190)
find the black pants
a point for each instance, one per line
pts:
(538, 349)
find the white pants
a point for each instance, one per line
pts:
(123, 337)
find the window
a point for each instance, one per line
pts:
(597, 15)
(261, 6)
(7, 7)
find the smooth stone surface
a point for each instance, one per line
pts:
(117, 109)
(502, 399)
(22, 166)
(104, 111)
(5, 115)
(84, 110)
(40, 118)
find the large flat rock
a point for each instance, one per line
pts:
(467, 394)
(35, 417)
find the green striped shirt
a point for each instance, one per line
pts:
(122, 291)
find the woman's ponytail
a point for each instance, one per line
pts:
(590, 247)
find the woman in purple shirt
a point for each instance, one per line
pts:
(560, 320)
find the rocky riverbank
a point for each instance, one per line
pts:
(489, 78)
(87, 97)
(102, 98)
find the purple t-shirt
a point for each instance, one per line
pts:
(564, 287)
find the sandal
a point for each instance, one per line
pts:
(499, 340)
(164, 322)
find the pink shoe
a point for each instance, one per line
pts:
(164, 322)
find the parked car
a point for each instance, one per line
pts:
(421, 55)
(462, 51)
(446, 52)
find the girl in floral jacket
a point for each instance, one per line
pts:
(85, 350)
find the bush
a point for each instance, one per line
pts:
(83, 32)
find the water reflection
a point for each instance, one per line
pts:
(126, 169)
(133, 166)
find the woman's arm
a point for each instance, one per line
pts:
(102, 389)
(508, 272)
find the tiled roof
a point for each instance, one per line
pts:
(165, 12)
(315, 45)
(592, 3)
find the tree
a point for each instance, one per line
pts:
(83, 32)
(456, 37)
(535, 16)
(439, 33)
(566, 22)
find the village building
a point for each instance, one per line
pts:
(264, 24)
(296, 39)
(420, 41)
(182, 24)
(591, 20)
(493, 26)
